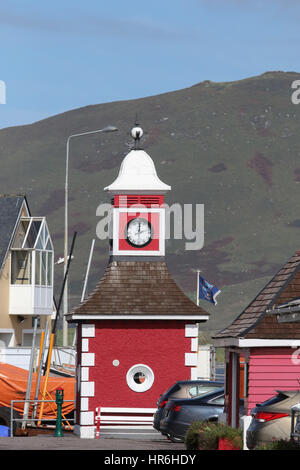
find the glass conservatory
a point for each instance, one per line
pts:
(31, 273)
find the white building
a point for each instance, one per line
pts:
(26, 272)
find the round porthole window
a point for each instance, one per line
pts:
(140, 378)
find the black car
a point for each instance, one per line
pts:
(180, 414)
(185, 389)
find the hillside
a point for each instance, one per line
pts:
(233, 147)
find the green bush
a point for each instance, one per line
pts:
(208, 437)
(281, 444)
(205, 435)
(192, 435)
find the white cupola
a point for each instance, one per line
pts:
(137, 172)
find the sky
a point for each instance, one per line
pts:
(61, 55)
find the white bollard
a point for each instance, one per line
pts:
(246, 423)
(97, 418)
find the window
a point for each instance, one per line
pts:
(20, 233)
(49, 268)
(6, 339)
(193, 391)
(198, 390)
(39, 245)
(44, 239)
(140, 378)
(32, 234)
(37, 267)
(275, 399)
(32, 243)
(20, 267)
(43, 268)
(48, 245)
(202, 389)
(220, 400)
(27, 232)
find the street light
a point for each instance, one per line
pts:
(65, 304)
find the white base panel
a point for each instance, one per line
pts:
(85, 432)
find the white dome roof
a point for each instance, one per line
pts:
(137, 173)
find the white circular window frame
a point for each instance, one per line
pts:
(149, 378)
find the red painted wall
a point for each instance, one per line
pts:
(271, 369)
(161, 345)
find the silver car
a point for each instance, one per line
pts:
(271, 420)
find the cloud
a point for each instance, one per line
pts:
(285, 5)
(70, 23)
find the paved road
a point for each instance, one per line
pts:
(72, 442)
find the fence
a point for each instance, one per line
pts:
(123, 418)
(20, 356)
(33, 419)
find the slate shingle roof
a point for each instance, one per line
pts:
(254, 321)
(137, 288)
(10, 206)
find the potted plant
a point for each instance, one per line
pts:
(229, 438)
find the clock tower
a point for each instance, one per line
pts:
(138, 215)
(137, 332)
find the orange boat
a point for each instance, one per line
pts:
(13, 386)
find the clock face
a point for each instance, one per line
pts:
(138, 232)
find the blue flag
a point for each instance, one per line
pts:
(206, 291)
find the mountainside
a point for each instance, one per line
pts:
(233, 147)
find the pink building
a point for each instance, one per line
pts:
(266, 343)
(137, 331)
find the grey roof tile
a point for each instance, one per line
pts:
(10, 206)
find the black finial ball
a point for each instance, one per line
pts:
(137, 132)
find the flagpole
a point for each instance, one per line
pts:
(198, 271)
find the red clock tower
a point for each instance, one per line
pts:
(138, 220)
(137, 331)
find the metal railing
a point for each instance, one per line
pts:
(33, 419)
(69, 352)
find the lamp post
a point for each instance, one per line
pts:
(65, 304)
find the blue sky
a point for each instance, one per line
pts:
(61, 55)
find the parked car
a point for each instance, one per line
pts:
(183, 389)
(180, 413)
(272, 419)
